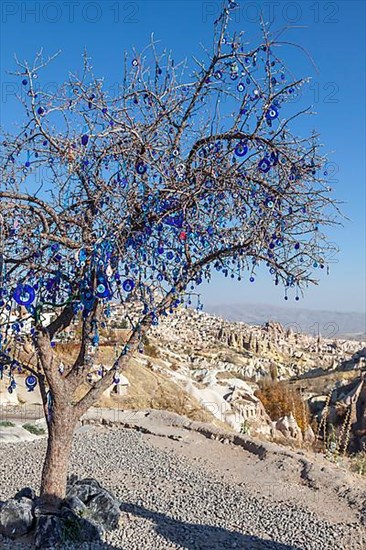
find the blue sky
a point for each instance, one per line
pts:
(332, 32)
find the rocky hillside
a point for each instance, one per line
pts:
(340, 324)
(202, 341)
(220, 364)
(194, 363)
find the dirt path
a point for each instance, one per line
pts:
(265, 469)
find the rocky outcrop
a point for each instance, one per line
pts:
(100, 505)
(256, 351)
(16, 517)
(246, 411)
(289, 428)
(309, 435)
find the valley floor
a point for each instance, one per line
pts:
(180, 489)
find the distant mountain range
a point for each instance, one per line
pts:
(330, 324)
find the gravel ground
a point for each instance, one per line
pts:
(172, 502)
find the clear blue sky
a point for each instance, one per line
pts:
(333, 32)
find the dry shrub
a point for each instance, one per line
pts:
(358, 463)
(280, 399)
(151, 350)
(180, 403)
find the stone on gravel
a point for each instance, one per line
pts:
(84, 489)
(79, 529)
(75, 504)
(49, 531)
(66, 528)
(27, 492)
(104, 509)
(99, 504)
(16, 517)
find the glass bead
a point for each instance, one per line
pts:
(128, 285)
(24, 295)
(31, 382)
(272, 113)
(140, 168)
(264, 165)
(241, 149)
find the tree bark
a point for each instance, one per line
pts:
(61, 425)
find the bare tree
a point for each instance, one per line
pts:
(135, 197)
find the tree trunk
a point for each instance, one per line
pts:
(61, 427)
